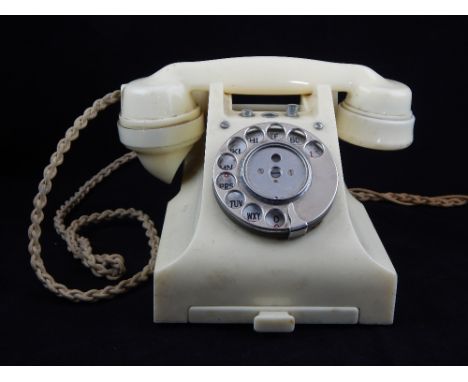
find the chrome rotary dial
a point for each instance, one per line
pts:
(275, 178)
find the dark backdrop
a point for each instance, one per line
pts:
(52, 68)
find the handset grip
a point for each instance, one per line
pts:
(153, 97)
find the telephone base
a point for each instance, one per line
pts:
(311, 292)
(211, 269)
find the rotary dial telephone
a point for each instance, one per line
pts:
(263, 230)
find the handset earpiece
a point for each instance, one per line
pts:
(160, 122)
(377, 115)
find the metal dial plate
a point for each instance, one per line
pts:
(275, 178)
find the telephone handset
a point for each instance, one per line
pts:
(263, 229)
(375, 114)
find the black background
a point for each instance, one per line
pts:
(52, 68)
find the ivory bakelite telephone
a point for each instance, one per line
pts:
(263, 230)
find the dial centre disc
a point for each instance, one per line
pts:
(276, 172)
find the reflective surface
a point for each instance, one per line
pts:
(275, 178)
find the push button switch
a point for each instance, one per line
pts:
(247, 113)
(292, 110)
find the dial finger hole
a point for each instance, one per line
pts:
(252, 213)
(225, 181)
(297, 137)
(276, 132)
(315, 149)
(235, 199)
(254, 135)
(227, 162)
(275, 218)
(237, 146)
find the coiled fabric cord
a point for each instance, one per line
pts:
(111, 266)
(404, 199)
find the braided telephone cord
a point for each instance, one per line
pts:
(404, 199)
(112, 266)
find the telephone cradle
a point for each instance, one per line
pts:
(264, 230)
